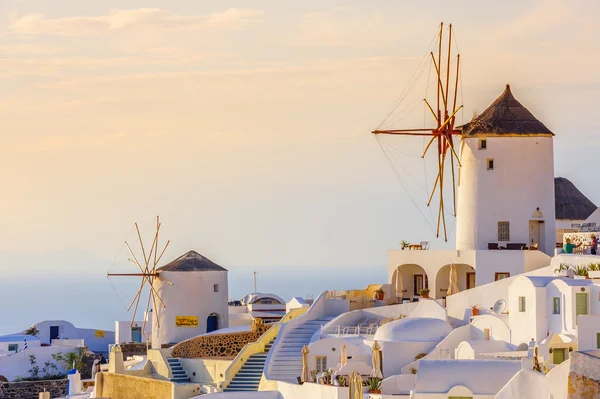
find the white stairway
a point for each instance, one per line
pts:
(286, 365)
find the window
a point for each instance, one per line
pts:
(501, 275)
(522, 304)
(13, 347)
(597, 340)
(482, 144)
(503, 231)
(321, 363)
(216, 287)
(556, 305)
(490, 164)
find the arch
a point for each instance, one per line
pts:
(460, 391)
(414, 277)
(442, 278)
(213, 322)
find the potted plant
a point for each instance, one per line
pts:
(580, 272)
(475, 310)
(379, 294)
(374, 385)
(404, 244)
(562, 270)
(341, 380)
(594, 270)
(424, 293)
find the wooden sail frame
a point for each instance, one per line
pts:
(443, 133)
(147, 273)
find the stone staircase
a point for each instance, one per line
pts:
(179, 374)
(248, 378)
(287, 364)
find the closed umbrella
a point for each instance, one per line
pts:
(376, 361)
(343, 356)
(453, 286)
(355, 384)
(399, 286)
(305, 369)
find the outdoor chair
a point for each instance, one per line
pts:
(534, 247)
(425, 245)
(493, 245)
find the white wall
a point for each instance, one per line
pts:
(398, 384)
(191, 294)
(522, 180)
(69, 331)
(484, 296)
(532, 323)
(498, 329)
(330, 347)
(206, 371)
(399, 354)
(558, 380)
(587, 328)
(310, 390)
(526, 384)
(20, 342)
(123, 330)
(17, 365)
(244, 395)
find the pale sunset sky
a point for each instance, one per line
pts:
(246, 126)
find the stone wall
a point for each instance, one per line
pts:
(584, 376)
(32, 389)
(219, 345)
(121, 386)
(132, 349)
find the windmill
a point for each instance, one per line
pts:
(442, 134)
(147, 273)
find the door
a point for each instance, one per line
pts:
(581, 304)
(470, 280)
(534, 232)
(558, 355)
(136, 334)
(212, 323)
(419, 282)
(53, 333)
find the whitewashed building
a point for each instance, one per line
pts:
(196, 296)
(505, 205)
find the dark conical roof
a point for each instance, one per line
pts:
(506, 117)
(191, 262)
(570, 203)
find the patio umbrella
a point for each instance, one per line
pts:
(376, 360)
(453, 286)
(399, 286)
(355, 384)
(305, 369)
(343, 356)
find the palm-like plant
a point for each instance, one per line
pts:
(580, 270)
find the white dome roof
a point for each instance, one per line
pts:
(413, 329)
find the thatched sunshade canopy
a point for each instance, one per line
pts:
(570, 203)
(506, 117)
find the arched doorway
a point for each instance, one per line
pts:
(212, 322)
(414, 279)
(464, 273)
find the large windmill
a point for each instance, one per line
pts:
(442, 134)
(147, 272)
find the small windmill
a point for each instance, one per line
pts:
(147, 273)
(443, 133)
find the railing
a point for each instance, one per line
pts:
(258, 346)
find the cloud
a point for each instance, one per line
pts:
(155, 19)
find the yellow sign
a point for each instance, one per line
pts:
(186, 321)
(100, 333)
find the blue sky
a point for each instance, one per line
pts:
(245, 125)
